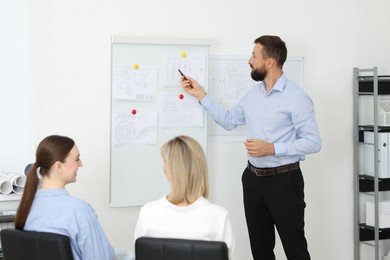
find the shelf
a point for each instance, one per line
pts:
(366, 184)
(370, 128)
(367, 233)
(9, 202)
(10, 197)
(366, 85)
(366, 105)
(7, 218)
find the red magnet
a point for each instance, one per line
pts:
(181, 96)
(134, 111)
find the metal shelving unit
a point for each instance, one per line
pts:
(367, 82)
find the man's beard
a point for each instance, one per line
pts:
(259, 74)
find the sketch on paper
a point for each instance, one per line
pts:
(176, 112)
(192, 64)
(229, 81)
(137, 128)
(134, 84)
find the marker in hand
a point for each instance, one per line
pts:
(183, 76)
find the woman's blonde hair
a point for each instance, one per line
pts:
(187, 174)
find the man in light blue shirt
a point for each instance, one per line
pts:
(281, 130)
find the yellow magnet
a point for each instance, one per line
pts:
(183, 54)
(135, 66)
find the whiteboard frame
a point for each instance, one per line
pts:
(133, 39)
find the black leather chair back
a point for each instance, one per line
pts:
(147, 248)
(31, 245)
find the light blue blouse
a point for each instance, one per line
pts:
(284, 117)
(54, 210)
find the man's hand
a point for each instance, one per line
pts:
(259, 148)
(193, 88)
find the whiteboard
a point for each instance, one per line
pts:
(229, 80)
(148, 108)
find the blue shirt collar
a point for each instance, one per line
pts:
(279, 85)
(52, 192)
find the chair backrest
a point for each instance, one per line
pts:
(147, 248)
(21, 245)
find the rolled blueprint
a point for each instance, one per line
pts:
(11, 182)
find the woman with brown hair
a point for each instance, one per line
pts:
(47, 206)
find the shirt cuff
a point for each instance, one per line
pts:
(280, 148)
(206, 101)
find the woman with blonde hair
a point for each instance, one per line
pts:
(185, 213)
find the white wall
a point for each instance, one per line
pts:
(15, 88)
(70, 67)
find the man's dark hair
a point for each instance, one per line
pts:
(273, 47)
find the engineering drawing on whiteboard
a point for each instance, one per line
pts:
(230, 79)
(193, 64)
(134, 84)
(134, 127)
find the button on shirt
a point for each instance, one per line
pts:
(285, 117)
(55, 211)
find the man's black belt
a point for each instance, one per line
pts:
(273, 170)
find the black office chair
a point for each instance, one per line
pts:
(31, 245)
(148, 248)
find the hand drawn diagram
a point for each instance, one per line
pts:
(138, 128)
(134, 84)
(192, 64)
(176, 112)
(229, 81)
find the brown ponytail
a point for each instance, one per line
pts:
(28, 196)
